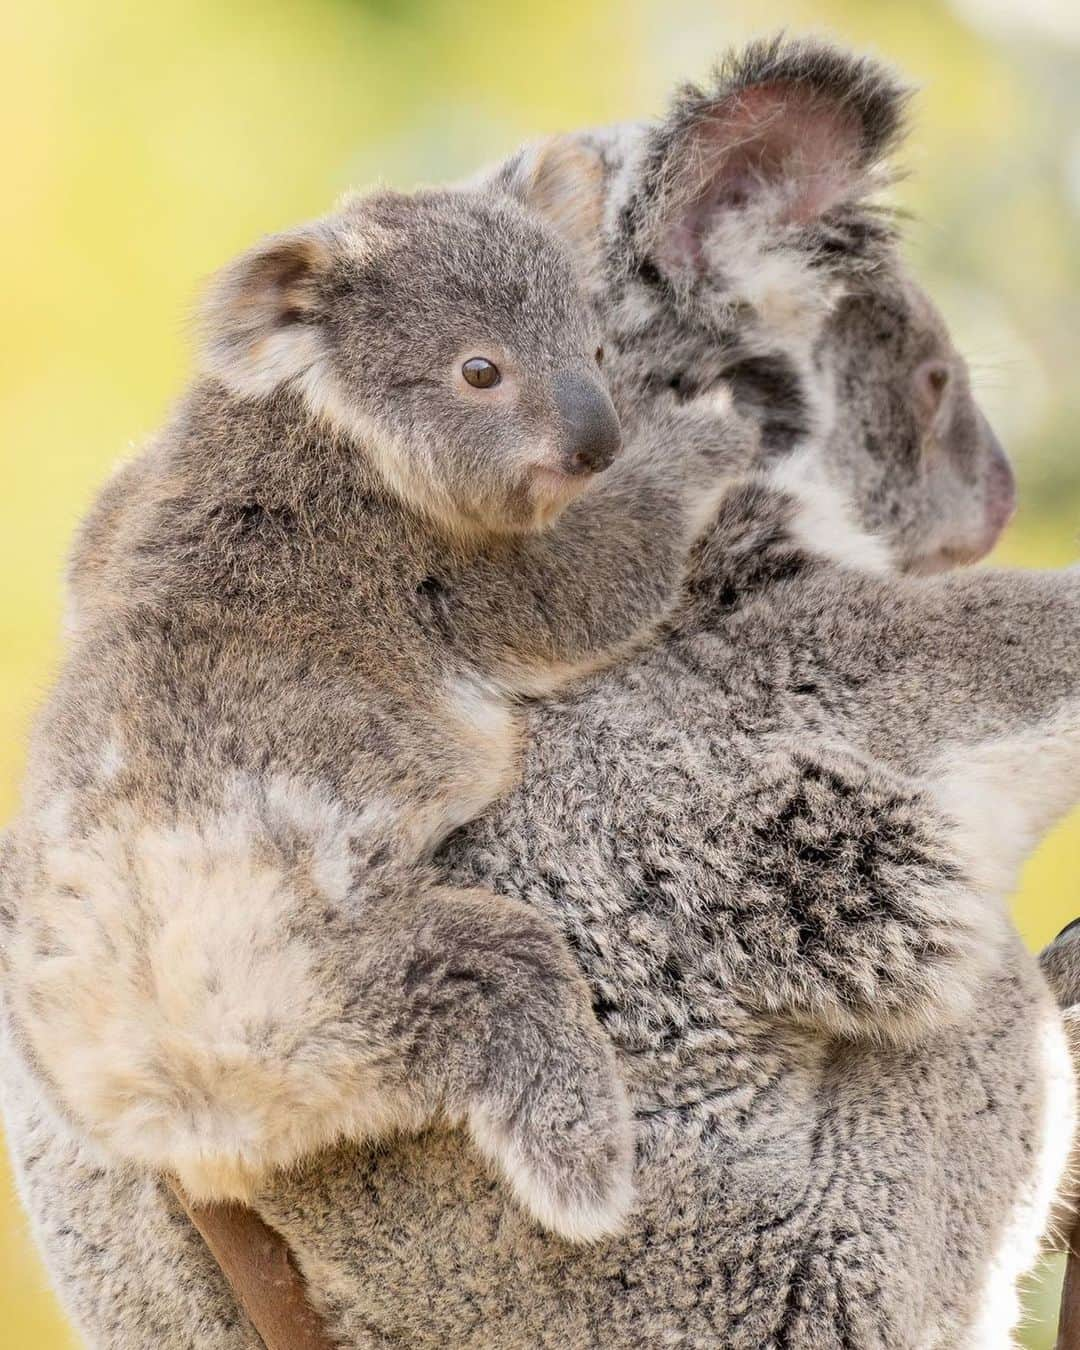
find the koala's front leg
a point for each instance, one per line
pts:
(253, 1014)
(488, 1006)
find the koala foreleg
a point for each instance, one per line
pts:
(976, 689)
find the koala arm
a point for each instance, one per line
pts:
(964, 690)
(967, 682)
(961, 695)
(970, 682)
(596, 583)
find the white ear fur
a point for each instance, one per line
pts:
(260, 320)
(562, 180)
(781, 153)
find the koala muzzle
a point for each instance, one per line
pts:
(590, 435)
(1001, 481)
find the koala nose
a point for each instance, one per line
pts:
(1001, 493)
(590, 437)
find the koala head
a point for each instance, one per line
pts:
(740, 219)
(444, 335)
(744, 259)
(908, 438)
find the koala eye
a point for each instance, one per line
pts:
(480, 372)
(599, 356)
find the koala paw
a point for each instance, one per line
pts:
(1060, 963)
(558, 1127)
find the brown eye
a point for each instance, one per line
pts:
(480, 372)
(599, 356)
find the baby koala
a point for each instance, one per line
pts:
(364, 537)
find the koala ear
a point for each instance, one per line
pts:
(790, 130)
(261, 317)
(562, 181)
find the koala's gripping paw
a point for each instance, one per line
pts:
(556, 1123)
(1060, 963)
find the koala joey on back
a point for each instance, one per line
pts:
(368, 531)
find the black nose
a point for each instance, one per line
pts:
(590, 437)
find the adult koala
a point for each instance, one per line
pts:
(842, 1062)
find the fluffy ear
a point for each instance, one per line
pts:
(790, 130)
(562, 180)
(261, 318)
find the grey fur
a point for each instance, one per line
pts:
(303, 668)
(832, 1038)
(1060, 964)
(925, 469)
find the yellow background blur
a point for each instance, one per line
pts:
(146, 143)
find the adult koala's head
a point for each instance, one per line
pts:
(744, 261)
(908, 439)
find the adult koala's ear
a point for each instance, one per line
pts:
(261, 318)
(788, 131)
(560, 179)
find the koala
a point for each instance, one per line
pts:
(366, 536)
(757, 835)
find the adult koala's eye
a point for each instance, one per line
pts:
(599, 356)
(480, 372)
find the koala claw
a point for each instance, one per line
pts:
(1060, 962)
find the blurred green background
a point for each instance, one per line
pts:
(147, 143)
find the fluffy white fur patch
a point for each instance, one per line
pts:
(1018, 1246)
(272, 361)
(110, 759)
(483, 715)
(790, 299)
(168, 979)
(1004, 793)
(825, 524)
(581, 1218)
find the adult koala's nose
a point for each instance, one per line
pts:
(1001, 481)
(589, 434)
